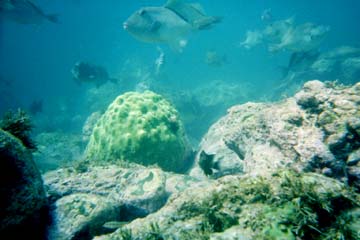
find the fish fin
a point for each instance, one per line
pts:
(171, 3)
(206, 22)
(53, 18)
(192, 14)
(198, 7)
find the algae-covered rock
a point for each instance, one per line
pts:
(317, 130)
(85, 201)
(139, 127)
(79, 216)
(286, 205)
(23, 201)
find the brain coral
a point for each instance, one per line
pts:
(139, 127)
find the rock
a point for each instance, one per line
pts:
(317, 130)
(80, 216)
(117, 194)
(353, 158)
(247, 207)
(23, 205)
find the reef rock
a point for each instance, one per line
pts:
(23, 201)
(317, 130)
(85, 200)
(285, 205)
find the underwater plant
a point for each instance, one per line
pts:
(19, 125)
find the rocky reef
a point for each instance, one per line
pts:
(140, 127)
(285, 205)
(316, 130)
(86, 203)
(284, 170)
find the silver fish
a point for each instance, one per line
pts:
(170, 24)
(24, 12)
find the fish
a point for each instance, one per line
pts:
(266, 15)
(113, 225)
(25, 12)
(159, 61)
(170, 24)
(285, 35)
(252, 39)
(300, 61)
(299, 38)
(91, 73)
(207, 163)
(215, 59)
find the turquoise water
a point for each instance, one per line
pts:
(36, 60)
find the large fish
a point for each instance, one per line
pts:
(24, 12)
(170, 24)
(85, 72)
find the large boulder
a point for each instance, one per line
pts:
(317, 130)
(139, 127)
(86, 202)
(23, 204)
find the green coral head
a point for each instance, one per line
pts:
(140, 127)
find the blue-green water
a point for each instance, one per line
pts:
(36, 60)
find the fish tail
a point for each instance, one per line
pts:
(53, 18)
(206, 22)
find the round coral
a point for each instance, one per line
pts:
(139, 127)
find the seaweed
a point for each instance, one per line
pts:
(19, 125)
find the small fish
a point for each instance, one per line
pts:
(207, 164)
(214, 59)
(170, 24)
(252, 39)
(24, 12)
(266, 16)
(113, 225)
(159, 61)
(87, 72)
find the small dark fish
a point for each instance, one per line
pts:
(206, 163)
(87, 72)
(24, 12)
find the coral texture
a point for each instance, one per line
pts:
(139, 127)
